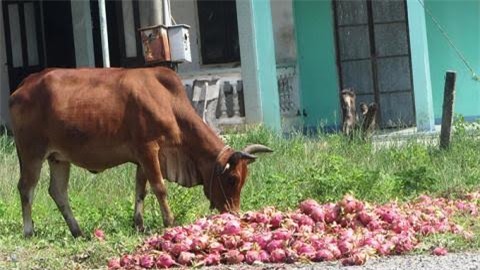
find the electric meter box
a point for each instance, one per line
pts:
(179, 39)
(155, 44)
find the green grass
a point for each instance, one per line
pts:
(323, 167)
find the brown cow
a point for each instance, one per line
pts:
(101, 118)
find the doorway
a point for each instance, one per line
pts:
(23, 38)
(59, 42)
(373, 55)
(35, 40)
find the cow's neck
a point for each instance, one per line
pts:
(194, 161)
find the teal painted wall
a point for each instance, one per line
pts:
(316, 59)
(461, 20)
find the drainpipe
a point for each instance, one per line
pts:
(104, 33)
(167, 13)
(156, 16)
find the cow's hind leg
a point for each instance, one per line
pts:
(29, 174)
(58, 190)
(151, 166)
(140, 193)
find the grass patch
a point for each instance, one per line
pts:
(323, 167)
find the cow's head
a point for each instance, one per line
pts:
(229, 175)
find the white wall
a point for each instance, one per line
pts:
(82, 34)
(4, 87)
(185, 12)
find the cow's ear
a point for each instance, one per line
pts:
(248, 157)
(240, 155)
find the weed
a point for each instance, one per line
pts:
(323, 167)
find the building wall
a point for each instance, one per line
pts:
(185, 12)
(4, 88)
(82, 34)
(460, 19)
(317, 62)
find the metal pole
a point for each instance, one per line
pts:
(104, 33)
(167, 17)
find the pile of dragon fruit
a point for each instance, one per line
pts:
(350, 231)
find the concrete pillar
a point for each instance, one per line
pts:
(82, 34)
(259, 72)
(4, 82)
(420, 67)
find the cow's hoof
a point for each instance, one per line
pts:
(28, 234)
(138, 223)
(170, 222)
(77, 233)
(140, 228)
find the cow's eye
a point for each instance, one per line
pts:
(230, 181)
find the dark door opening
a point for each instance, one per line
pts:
(59, 43)
(219, 31)
(23, 38)
(373, 54)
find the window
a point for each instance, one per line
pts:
(218, 31)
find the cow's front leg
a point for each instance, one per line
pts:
(140, 193)
(150, 164)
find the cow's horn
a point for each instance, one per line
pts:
(257, 148)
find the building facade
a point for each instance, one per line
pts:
(280, 62)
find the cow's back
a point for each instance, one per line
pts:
(94, 117)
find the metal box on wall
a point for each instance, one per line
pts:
(179, 39)
(155, 45)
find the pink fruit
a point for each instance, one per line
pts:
(345, 247)
(264, 256)
(179, 248)
(99, 234)
(276, 220)
(125, 260)
(212, 259)
(308, 205)
(216, 247)
(318, 214)
(233, 257)
(364, 217)
(114, 264)
(147, 261)
(262, 218)
(306, 251)
(278, 255)
(439, 251)
(348, 203)
(232, 227)
(164, 261)
(252, 256)
(186, 258)
(281, 234)
(262, 239)
(199, 243)
(274, 244)
(355, 259)
(332, 211)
